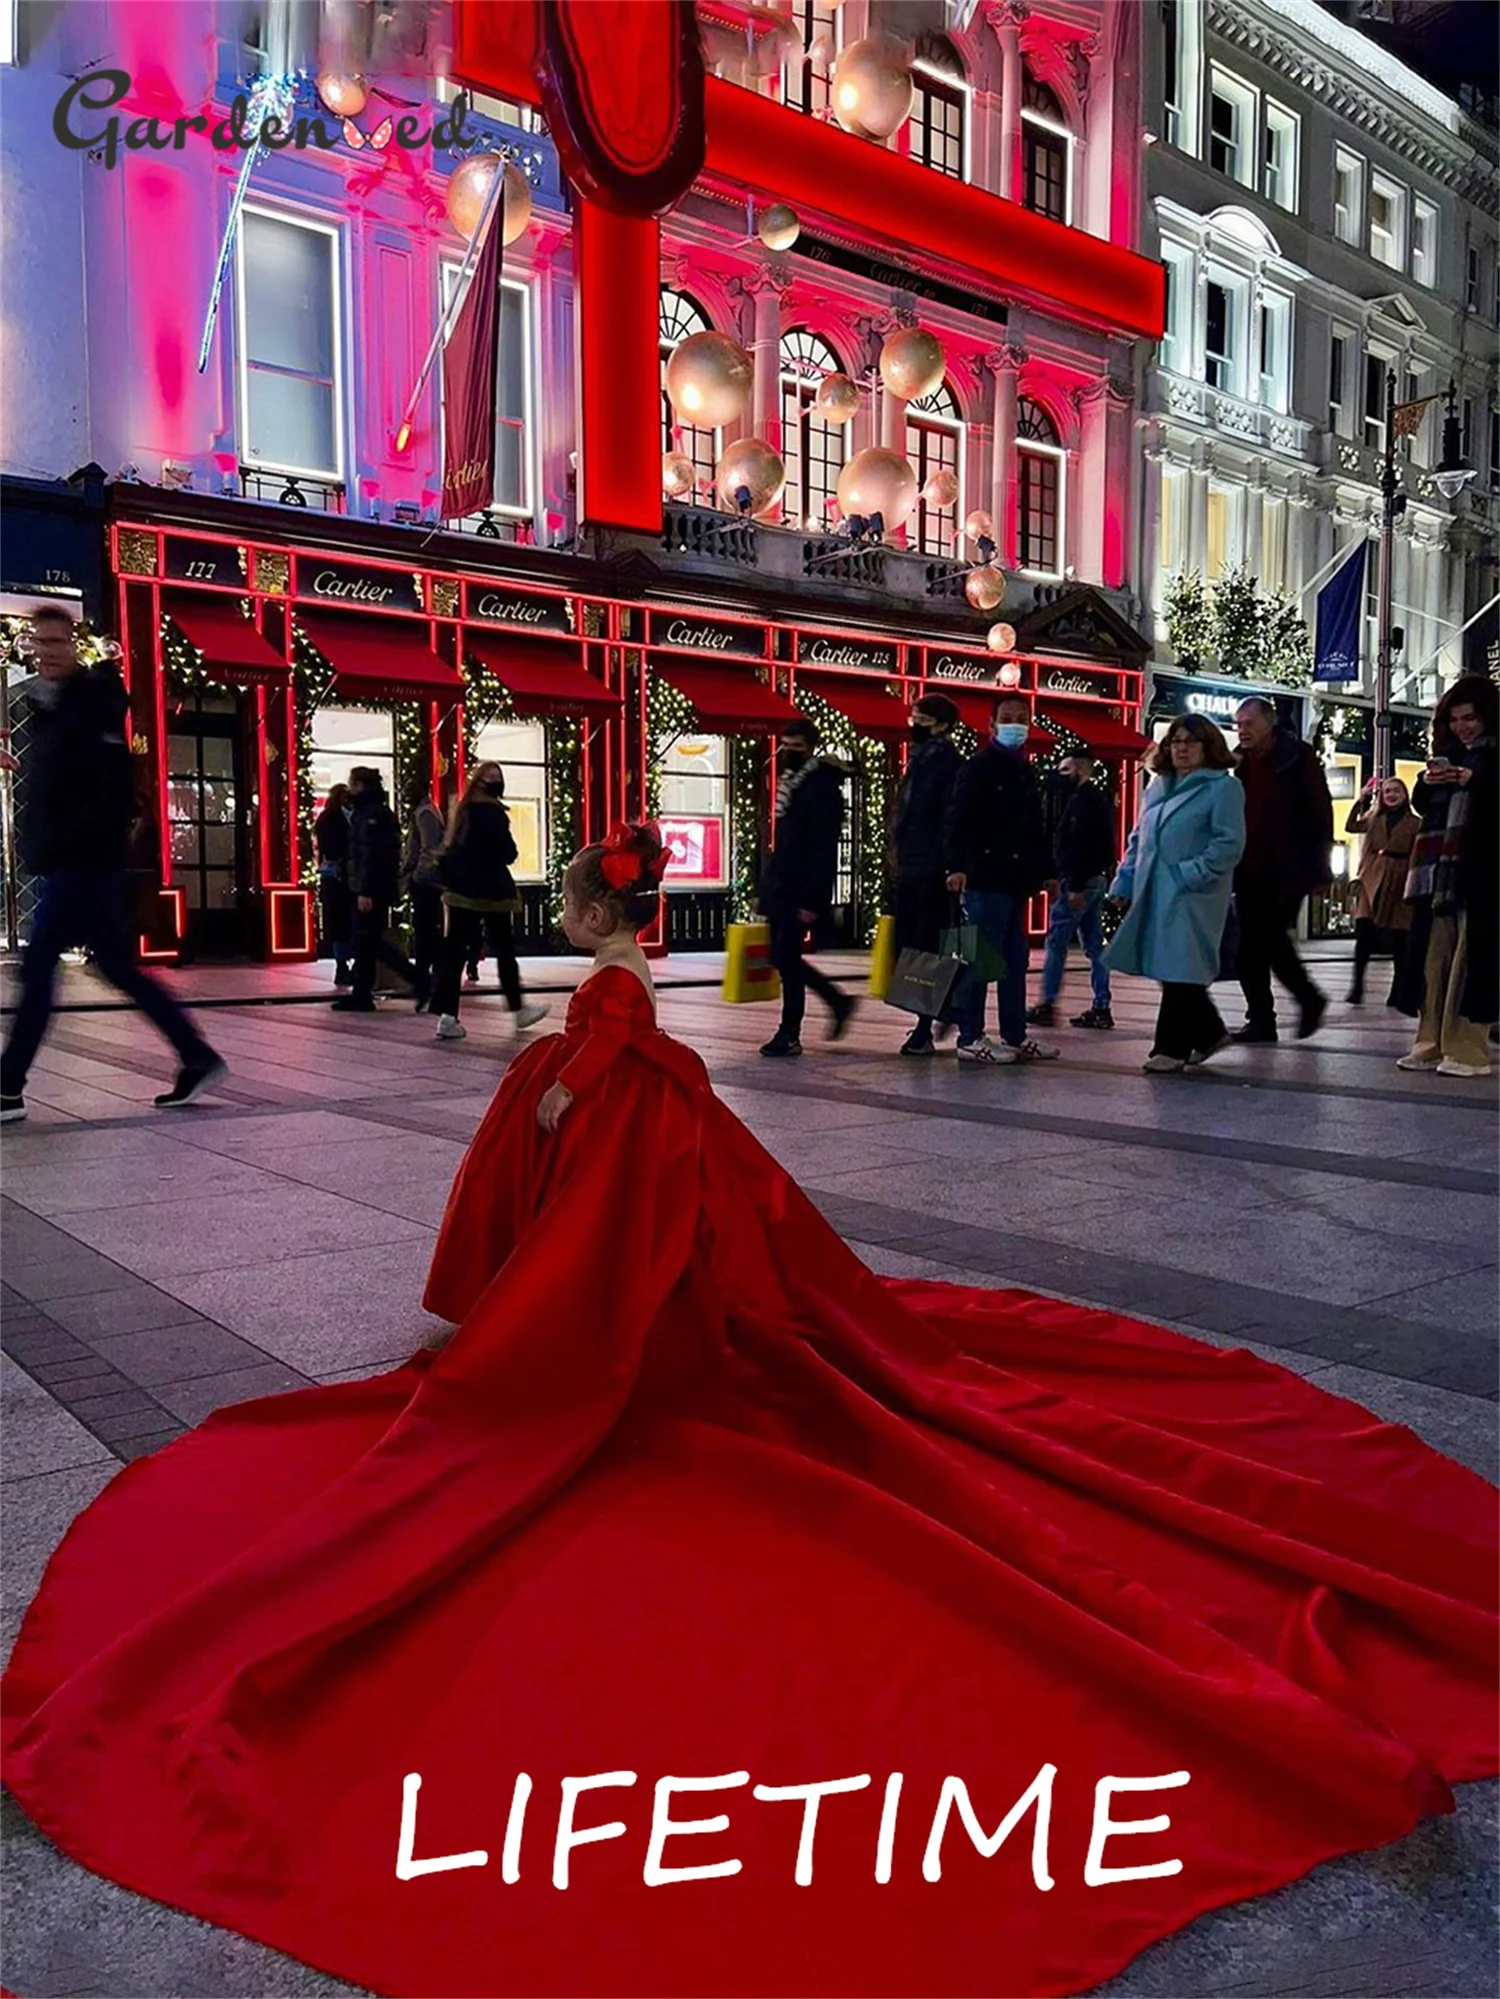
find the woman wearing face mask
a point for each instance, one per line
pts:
(1382, 815)
(479, 893)
(1176, 880)
(921, 895)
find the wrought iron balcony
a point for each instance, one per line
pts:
(293, 489)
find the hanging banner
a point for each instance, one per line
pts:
(470, 361)
(1340, 609)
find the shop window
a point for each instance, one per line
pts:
(812, 450)
(806, 85)
(1046, 154)
(1039, 491)
(937, 130)
(1231, 127)
(345, 736)
(514, 422)
(1387, 222)
(520, 749)
(1424, 242)
(1280, 145)
(290, 340)
(678, 315)
(203, 802)
(1348, 195)
(935, 443)
(694, 813)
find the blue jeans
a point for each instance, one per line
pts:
(1087, 924)
(1002, 921)
(88, 906)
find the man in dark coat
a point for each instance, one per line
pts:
(921, 891)
(374, 874)
(796, 887)
(1288, 848)
(995, 841)
(1084, 854)
(79, 811)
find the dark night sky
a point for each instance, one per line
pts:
(1453, 43)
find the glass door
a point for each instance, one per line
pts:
(208, 813)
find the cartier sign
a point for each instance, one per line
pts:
(686, 632)
(509, 607)
(951, 666)
(1074, 683)
(848, 652)
(353, 584)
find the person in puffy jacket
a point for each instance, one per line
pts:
(479, 897)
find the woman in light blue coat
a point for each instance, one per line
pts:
(1177, 878)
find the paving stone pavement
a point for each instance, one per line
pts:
(1308, 1201)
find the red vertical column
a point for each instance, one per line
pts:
(619, 275)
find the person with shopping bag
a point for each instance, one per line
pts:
(921, 891)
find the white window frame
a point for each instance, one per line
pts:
(1059, 452)
(1233, 497)
(1236, 288)
(1341, 413)
(297, 219)
(1281, 185)
(1349, 223)
(1177, 344)
(921, 419)
(1273, 532)
(1070, 156)
(1385, 361)
(1176, 497)
(963, 85)
(1424, 263)
(10, 53)
(1245, 99)
(1274, 385)
(1395, 193)
(1184, 119)
(448, 270)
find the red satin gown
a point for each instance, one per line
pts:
(693, 1494)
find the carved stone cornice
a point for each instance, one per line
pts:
(1006, 14)
(1009, 359)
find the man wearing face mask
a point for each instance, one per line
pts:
(796, 888)
(995, 840)
(1083, 852)
(921, 897)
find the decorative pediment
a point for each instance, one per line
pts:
(1082, 622)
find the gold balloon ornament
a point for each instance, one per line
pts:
(469, 189)
(912, 364)
(1002, 638)
(872, 87)
(837, 399)
(941, 489)
(709, 377)
(1009, 676)
(779, 226)
(517, 203)
(877, 481)
(344, 95)
(749, 466)
(678, 474)
(985, 588)
(979, 526)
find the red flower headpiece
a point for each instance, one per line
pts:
(623, 864)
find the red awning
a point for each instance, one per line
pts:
(541, 677)
(233, 650)
(1105, 736)
(380, 659)
(976, 710)
(868, 703)
(730, 701)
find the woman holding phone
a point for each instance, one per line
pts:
(1388, 828)
(1453, 961)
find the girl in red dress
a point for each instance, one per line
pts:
(711, 1616)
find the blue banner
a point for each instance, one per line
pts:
(1340, 613)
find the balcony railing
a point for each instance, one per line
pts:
(700, 531)
(293, 489)
(1215, 409)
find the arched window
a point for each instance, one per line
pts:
(937, 130)
(935, 443)
(678, 316)
(1046, 153)
(812, 450)
(1039, 491)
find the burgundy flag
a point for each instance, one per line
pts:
(470, 361)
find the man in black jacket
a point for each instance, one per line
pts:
(996, 846)
(79, 809)
(921, 898)
(1083, 852)
(796, 887)
(374, 873)
(1288, 851)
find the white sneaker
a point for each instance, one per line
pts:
(528, 1015)
(1162, 1065)
(1448, 1067)
(994, 1054)
(1035, 1051)
(1419, 1062)
(451, 1028)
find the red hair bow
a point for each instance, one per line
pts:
(623, 864)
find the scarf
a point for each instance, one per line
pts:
(1438, 848)
(787, 783)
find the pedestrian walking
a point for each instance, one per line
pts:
(425, 832)
(1288, 845)
(796, 887)
(1452, 972)
(75, 836)
(1388, 828)
(995, 842)
(479, 894)
(1084, 854)
(335, 904)
(921, 889)
(374, 872)
(1175, 884)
